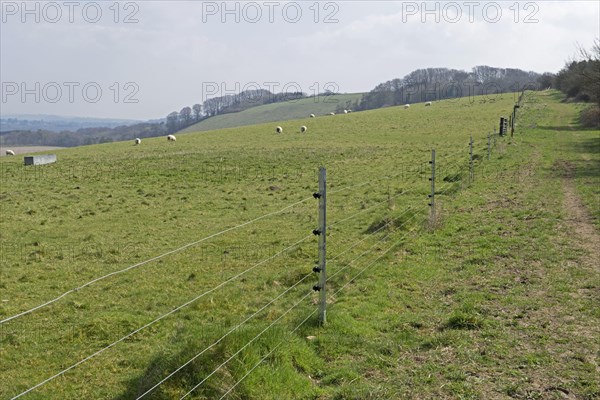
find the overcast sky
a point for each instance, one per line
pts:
(144, 59)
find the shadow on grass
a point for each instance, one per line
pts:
(557, 95)
(163, 364)
(578, 168)
(565, 128)
(591, 145)
(463, 320)
(210, 359)
(400, 222)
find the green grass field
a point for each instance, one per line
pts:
(321, 106)
(497, 298)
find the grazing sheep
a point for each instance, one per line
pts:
(349, 111)
(331, 113)
(406, 106)
(345, 111)
(171, 138)
(312, 115)
(303, 129)
(10, 153)
(428, 103)
(279, 129)
(138, 141)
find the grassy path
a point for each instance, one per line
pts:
(579, 221)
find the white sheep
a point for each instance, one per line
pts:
(428, 103)
(171, 138)
(303, 129)
(278, 129)
(10, 153)
(312, 115)
(138, 141)
(331, 113)
(406, 106)
(345, 111)
(349, 111)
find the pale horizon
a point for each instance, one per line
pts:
(143, 60)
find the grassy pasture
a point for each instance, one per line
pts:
(497, 302)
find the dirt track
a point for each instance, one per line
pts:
(579, 219)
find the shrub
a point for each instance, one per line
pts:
(590, 117)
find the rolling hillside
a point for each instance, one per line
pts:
(184, 269)
(319, 106)
(56, 123)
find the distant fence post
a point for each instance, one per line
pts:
(432, 194)
(521, 97)
(489, 145)
(494, 136)
(514, 117)
(322, 233)
(471, 174)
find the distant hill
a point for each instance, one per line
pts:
(82, 136)
(56, 123)
(295, 109)
(443, 83)
(256, 107)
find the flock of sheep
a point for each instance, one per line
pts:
(278, 129)
(303, 128)
(408, 105)
(170, 138)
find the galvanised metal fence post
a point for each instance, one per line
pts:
(471, 174)
(432, 194)
(489, 145)
(514, 117)
(322, 233)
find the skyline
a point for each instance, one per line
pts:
(143, 60)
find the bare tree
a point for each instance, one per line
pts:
(173, 122)
(185, 116)
(197, 108)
